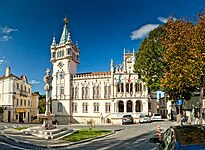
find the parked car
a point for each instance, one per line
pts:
(156, 117)
(127, 119)
(144, 118)
(189, 137)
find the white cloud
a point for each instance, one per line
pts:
(164, 20)
(2, 61)
(143, 31)
(34, 82)
(7, 30)
(5, 33)
(5, 38)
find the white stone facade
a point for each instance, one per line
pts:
(102, 96)
(16, 98)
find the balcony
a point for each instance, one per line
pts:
(23, 93)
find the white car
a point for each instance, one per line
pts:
(156, 117)
(144, 118)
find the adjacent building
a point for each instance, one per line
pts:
(16, 98)
(102, 96)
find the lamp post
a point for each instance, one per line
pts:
(201, 98)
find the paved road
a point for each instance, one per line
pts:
(135, 136)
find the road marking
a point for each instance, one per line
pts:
(13, 146)
(14, 126)
(6, 127)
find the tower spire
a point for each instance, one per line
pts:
(65, 34)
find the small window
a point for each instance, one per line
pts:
(107, 107)
(74, 107)
(85, 107)
(60, 107)
(96, 107)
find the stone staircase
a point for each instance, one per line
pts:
(57, 133)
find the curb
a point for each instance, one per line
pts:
(55, 145)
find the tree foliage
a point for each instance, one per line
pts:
(149, 63)
(42, 103)
(172, 57)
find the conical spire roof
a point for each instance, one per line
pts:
(65, 34)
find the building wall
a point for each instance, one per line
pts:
(15, 97)
(78, 97)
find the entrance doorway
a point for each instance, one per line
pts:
(9, 116)
(129, 106)
(121, 106)
(20, 117)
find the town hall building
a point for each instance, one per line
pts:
(102, 96)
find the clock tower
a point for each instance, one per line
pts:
(129, 61)
(65, 59)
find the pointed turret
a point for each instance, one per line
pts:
(53, 45)
(65, 34)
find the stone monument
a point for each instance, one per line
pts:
(47, 117)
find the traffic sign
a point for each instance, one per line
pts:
(179, 102)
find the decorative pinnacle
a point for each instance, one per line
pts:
(65, 20)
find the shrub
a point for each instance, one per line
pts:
(91, 124)
(1, 110)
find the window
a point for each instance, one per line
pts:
(24, 102)
(21, 87)
(149, 106)
(62, 89)
(17, 102)
(62, 74)
(21, 102)
(127, 87)
(24, 88)
(16, 117)
(29, 103)
(24, 114)
(60, 107)
(85, 92)
(96, 107)
(85, 107)
(17, 86)
(74, 107)
(29, 90)
(53, 54)
(76, 93)
(138, 87)
(107, 90)
(107, 107)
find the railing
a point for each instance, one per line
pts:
(23, 93)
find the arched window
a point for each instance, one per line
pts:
(85, 107)
(76, 92)
(121, 106)
(129, 106)
(60, 107)
(138, 106)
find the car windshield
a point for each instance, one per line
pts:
(142, 116)
(156, 114)
(125, 116)
(188, 135)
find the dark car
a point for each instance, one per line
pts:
(189, 137)
(127, 119)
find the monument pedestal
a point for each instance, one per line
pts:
(47, 121)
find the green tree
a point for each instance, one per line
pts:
(42, 103)
(149, 63)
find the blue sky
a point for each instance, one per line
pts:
(102, 27)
